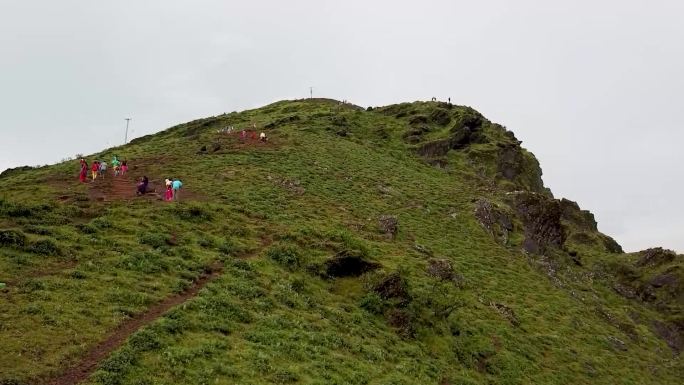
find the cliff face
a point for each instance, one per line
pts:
(412, 243)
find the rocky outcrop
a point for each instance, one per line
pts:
(520, 167)
(440, 116)
(443, 270)
(393, 287)
(436, 148)
(671, 333)
(610, 244)
(541, 218)
(389, 225)
(510, 163)
(656, 256)
(494, 219)
(583, 219)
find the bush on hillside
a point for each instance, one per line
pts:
(46, 247)
(12, 238)
(192, 213)
(155, 240)
(286, 256)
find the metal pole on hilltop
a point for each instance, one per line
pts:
(128, 120)
(310, 92)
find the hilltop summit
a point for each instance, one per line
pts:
(414, 243)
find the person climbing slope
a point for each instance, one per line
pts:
(83, 175)
(95, 169)
(142, 186)
(116, 165)
(176, 186)
(124, 167)
(103, 169)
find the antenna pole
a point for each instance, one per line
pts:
(128, 120)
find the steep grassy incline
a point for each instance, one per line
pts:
(408, 244)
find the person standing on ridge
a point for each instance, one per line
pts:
(176, 186)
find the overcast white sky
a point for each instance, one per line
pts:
(593, 88)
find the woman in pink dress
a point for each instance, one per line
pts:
(83, 176)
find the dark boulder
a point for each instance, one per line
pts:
(541, 218)
(393, 287)
(348, 264)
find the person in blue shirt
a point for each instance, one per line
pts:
(176, 186)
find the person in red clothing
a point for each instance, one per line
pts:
(95, 169)
(83, 175)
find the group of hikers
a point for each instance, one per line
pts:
(244, 134)
(173, 186)
(99, 169)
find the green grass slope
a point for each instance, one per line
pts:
(485, 279)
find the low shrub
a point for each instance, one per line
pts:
(45, 247)
(12, 238)
(155, 240)
(285, 255)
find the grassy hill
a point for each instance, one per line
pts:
(409, 244)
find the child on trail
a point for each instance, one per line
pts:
(262, 137)
(142, 186)
(124, 167)
(254, 135)
(176, 186)
(83, 175)
(103, 169)
(95, 169)
(243, 135)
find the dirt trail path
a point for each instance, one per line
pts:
(112, 187)
(89, 363)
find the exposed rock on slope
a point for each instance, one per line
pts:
(541, 218)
